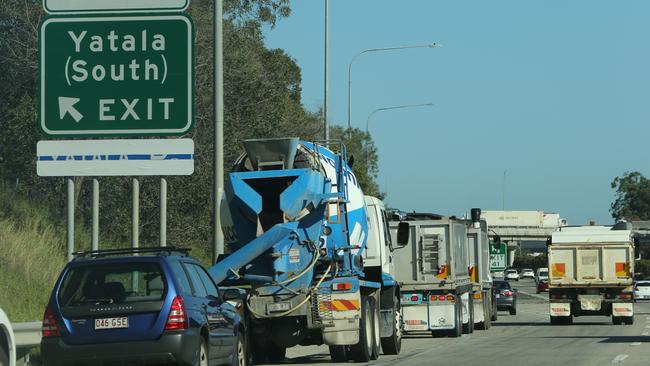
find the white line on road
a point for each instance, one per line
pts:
(644, 333)
(620, 358)
(635, 344)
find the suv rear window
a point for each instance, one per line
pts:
(113, 284)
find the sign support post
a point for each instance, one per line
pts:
(95, 231)
(135, 214)
(70, 199)
(163, 212)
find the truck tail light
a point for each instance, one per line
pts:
(414, 298)
(433, 298)
(624, 296)
(449, 297)
(50, 327)
(177, 318)
(341, 286)
(477, 296)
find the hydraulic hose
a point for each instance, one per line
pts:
(303, 302)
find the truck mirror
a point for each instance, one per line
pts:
(496, 243)
(403, 231)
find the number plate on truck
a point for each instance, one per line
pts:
(277, 307)
(112, 323)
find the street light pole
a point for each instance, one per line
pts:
(325, 94)
(394, 107)
(503, 194)
(217, 239)
(432, 45)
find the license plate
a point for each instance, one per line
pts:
(277, 307)
(112, 323)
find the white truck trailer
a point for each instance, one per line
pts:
(434, 275)
(483, 298)
(591, 273)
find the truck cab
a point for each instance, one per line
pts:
(379, 267)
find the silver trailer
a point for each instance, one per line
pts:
(483, 298)
(433, 272)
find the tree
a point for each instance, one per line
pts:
(361, 148)
(632, 197)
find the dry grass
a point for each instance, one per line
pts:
(31, 257)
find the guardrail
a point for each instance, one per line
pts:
(27, 336)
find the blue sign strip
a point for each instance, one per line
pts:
(116, 157)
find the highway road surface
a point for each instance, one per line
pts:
(526, 339)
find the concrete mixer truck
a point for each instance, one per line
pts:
(297, 231)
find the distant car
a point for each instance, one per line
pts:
(542, 286)
(506, 296)
(511, 275)
(541, 274)
(161, 306)
(642, 290)
(527, 273)
(497, 274)
(7, 342)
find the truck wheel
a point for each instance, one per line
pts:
(392, 345)
(259, 353)
(616, 320)
(276, 354)
(513, 310)
(339, 353)
(469, 327)
(376, 344)
(4, 358)
(362, 351)
(458, 330)
(555, 320)
(628, 320)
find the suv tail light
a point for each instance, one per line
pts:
(507, 293)
(50, 327)
(177, 318)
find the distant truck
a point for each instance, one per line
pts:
(483, 298)
(434, 275)
(591, 273)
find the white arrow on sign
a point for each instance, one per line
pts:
(66, 105)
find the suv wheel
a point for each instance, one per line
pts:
(239, 353)
(202, 356)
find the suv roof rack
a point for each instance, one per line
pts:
(110, 252)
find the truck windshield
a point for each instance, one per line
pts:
(112, 284)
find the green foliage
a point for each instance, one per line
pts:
(632, 197)
(642, 267)
(527, 260)
(360, 146)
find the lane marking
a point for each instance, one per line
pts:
(644, 333)
(620, 358)
(635, 344)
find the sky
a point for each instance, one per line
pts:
(556, 94)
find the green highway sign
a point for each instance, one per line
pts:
(116, 75)
(113, 6)
(498, 258)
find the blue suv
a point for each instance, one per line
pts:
(141, 306)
